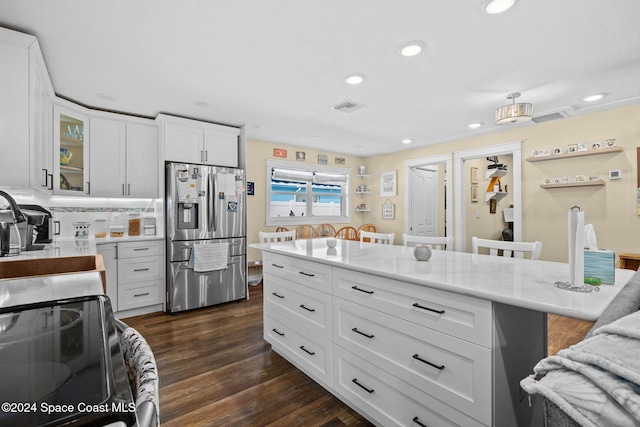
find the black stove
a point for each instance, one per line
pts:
(60, 363)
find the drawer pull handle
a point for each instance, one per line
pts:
(417, 357)
(141, 249)
(141, 295)
(417, 421)
(427, 308)
(362, 290)
(307, 274)
(141, 269)
(368, 390)
(277, 266)
(307, 351)
(362, 333)
(278, 332)
(275, 294)
(307, 308)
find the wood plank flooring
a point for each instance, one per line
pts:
(216, 370)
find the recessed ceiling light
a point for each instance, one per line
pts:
(498, 6)
(593, 98)
(475, 125)
(107, 97)
(407, 141)
(411, 49)
(202, 104)
(354, 79)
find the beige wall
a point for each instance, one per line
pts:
(611, 209)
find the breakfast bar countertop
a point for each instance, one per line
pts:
(517, 282)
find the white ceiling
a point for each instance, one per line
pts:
(277, 66)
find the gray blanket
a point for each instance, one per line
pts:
(597, 381)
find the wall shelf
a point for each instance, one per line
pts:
(575, 184)
(576, 154)
(491, 173)
(498, 195)
(363, 192)
(363, 176)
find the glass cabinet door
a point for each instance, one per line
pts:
(71, 132)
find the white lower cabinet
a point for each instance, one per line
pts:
(388, 400)
(399, 353)
(137, 268)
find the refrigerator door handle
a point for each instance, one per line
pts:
(211, 202)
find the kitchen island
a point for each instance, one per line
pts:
(404, 342)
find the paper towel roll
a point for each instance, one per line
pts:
(576, 246)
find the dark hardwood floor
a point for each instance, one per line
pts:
(216, 370)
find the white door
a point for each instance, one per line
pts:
(424, 202)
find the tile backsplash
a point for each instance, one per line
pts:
(68, 210)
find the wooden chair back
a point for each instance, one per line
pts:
(277, 236)
(306, 232)
(326, 230)
(443, 243)
(280, 229)
(517, 249)
(380, 238)
(347, 233)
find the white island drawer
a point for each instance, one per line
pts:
(307, 273)
(305, 306)
(452, 370)
(458, 315)
(310, 353)
(388, 400)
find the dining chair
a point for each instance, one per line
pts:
(277, 236)
(326, 230)
(380, 238)
(280, 229)
(306, 232)
(517, 249)
(347, 233)
(142, 372)
(434, 242)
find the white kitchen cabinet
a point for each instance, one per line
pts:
(25, 108)
(70, 149)
(192, 141)
(110, 259)
(123, 158)
(135, 275)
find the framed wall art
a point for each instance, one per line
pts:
(279, 152)
(474, 193)
(388, 183)
(474, 175)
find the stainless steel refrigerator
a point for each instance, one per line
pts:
(205, 205)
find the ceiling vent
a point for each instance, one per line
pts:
(553, 115)
(347, 106)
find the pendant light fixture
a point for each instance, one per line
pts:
(514, 113)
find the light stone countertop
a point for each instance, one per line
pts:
(518, 282)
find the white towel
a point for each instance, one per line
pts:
(209, 257)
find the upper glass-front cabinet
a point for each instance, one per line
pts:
(71, 135)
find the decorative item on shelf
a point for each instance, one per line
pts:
(65, 156)
(388, 210)
(81, 229)
(363, 170)
(362, 207)
(572, 148)
(596, 146)
(582, 146)
(64, 183)
(610, 142)
(557, 150)
(514, 113)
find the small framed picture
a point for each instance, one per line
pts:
(474, 175)
(572, 148)
(557, 150)
(301, 156)
(493, 204)
(340, 160)
(610, 142)
(582, 147)
(323, 159)
(596, 146)
(279, 152)
(474, 194)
